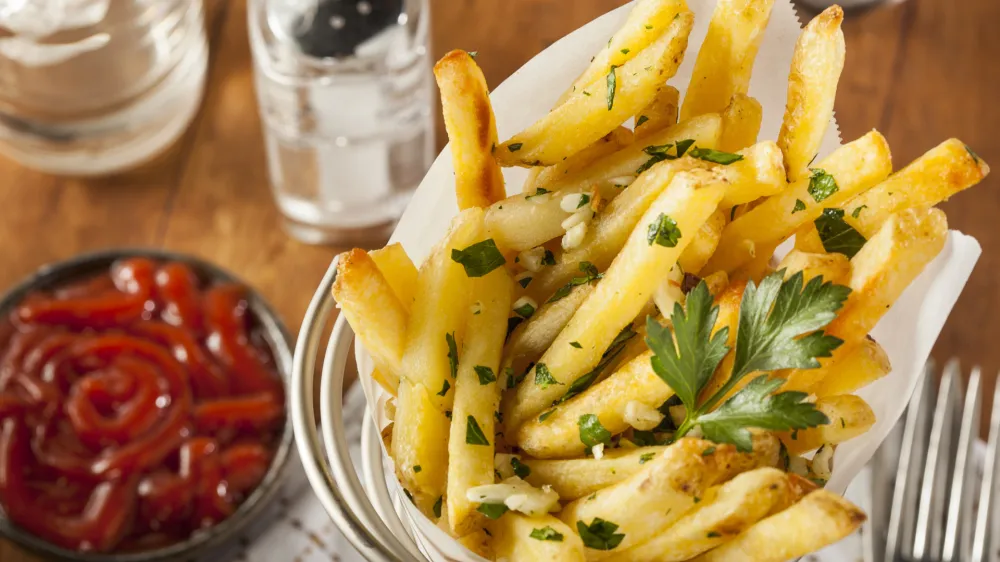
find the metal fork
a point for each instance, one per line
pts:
(925, 505)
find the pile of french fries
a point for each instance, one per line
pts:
(490, 445)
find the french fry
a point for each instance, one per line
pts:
(377, 316)
(666, 488)
(849, 415)
(740, 123)
(856, 166)
(513, 541)
(479, 542)
(659, 114)
(758, 174)
(398, 270)
(716, 282)
(688, 201)
(880, 271)
(723, 513)
(760, 265)
(477, 396)
(472, 130)
(594, 110)
(864, 364)
(610, 143)
(558, 435)
(420, 439)
(812, 87)
(533, 336)
(644, 24)
(820, 519)
(835, 268)
(524, 221)
(703, 246)
(576, 478)
(725, 60)
(807, 239)
(933, 177)
(439, 308)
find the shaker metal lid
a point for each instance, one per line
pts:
(335, 28)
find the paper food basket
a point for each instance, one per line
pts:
(373, 514)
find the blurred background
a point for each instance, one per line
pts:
(919, 71)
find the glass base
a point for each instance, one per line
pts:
(367, 237)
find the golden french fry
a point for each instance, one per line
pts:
(864, 364)
(880, 271)
(524, 221)
(759, 267)
(576, 478)
(659, 114)
(933, 177)
(533, 336)
(723, 513)
(758, 174)
(819, 519)
(420, 439)
(855, 167)
(513, 540)
(472, 130)
(479, 542)
(610, 143)
(372, 309)
(398, 270)
(686, 203)
(439, 309)
(835, 268)
(644, 24)
(594, 110)
(812, 88)
(667, 487)
(725, 60)
(807, 239)
(740, 123)
(477, 396)
(716, 282)
(703, 246)
(849, 415)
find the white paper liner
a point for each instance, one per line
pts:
(907, 332)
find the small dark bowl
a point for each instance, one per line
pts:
(214, 539)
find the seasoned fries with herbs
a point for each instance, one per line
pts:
(613, 364)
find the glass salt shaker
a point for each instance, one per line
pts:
(345, 95)
(95, 86)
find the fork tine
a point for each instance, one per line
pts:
(934, 485)
(987, 494)
(899, 535)
(958, 532)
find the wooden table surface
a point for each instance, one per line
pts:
(919, 72)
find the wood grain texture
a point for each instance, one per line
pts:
(919, 72)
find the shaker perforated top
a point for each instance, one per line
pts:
(335, 28)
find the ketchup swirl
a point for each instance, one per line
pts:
(136, 407)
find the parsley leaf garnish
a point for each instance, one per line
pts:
(612, 84)
(646, 457)
(520, 469)
(836, 235)
(485, 374)
(452, 354)
(715, 156)
(543, 377)
(546, 533)
(444, 388)
(780, 325)
(576, 344)
(975, 157)
(473, 54)
(663, 231)
(473, 433)
(661, 152)
(600, 534)
(591, 431)
(590, 273)
(437, 506)
(514, 146)
(525, 310)
(549, 259)
(857, 212)
(479, 258)
(683, 146)
(492, 510)
(799, 206)
(821, 184)
(642, 119)
(615, 348)
(538, 191)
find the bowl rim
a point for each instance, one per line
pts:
(279, 340)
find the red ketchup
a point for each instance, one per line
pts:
(136, 407)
